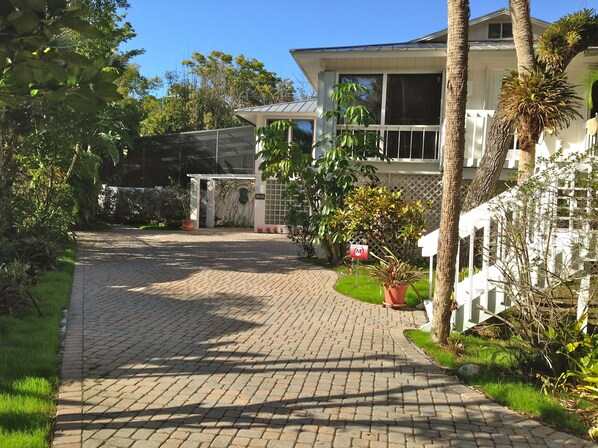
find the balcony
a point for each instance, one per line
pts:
(424, 143)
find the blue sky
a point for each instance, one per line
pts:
(267, 29)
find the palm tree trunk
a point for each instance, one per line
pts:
(456, 98)
(487, 175)
(526, 62)
(522, 34)
(527, 155)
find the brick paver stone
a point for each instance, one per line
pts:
(222, 338)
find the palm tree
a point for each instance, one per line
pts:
(456, 98)
(557, 46)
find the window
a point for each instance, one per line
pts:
(372, 99)
(413, 99)
(302, 134)
(410, 109)
(500, 31)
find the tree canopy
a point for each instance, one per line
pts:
(209, 89)
(36, 60)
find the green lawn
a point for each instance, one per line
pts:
(496, 379)
(29, 361)
(369, 290)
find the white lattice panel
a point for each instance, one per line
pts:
(422, 187)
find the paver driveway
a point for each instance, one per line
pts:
(223, 339)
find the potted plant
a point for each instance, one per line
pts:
(396, 276)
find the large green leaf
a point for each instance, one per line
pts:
(24, 21)
(75, 59)
(82, 103)
(36, 5)
(81, 26)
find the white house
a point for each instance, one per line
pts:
(406, 96)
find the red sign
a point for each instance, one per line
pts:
(359, 251)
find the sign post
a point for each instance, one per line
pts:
(358, 252)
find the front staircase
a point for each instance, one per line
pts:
(559, 243)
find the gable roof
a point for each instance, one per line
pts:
(501, 13)
(310, 60)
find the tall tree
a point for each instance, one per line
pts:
(456, 98)
(487, 175)
(206, 95)
(526, 63)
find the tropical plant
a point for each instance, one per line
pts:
(578, 367)
(383, 218)
(318, 186)
(537, 101)
(393, 272)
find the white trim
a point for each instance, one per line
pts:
(222, 176)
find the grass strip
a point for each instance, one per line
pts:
(496, 379)
(159, 227)
(29, 347)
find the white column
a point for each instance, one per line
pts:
(211, 206)
(259, 205)
(259, 217)
(198, 199)
(326, 81)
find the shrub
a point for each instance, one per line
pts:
(383, 218)
(141, 206)
(13, 278)
(301, 238)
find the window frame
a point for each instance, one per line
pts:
(502, 31)
(270, 120)
(385, 74)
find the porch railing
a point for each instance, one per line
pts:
(484, 256)
(477, 130)
(407, 143)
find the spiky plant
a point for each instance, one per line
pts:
(537, 101)
(566, 38)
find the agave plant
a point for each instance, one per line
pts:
(392, 272)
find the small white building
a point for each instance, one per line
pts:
(406, 97)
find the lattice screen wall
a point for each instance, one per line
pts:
(418, 186)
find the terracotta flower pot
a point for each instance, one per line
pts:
(188, 224)
(394, 296)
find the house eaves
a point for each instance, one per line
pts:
(309, 59)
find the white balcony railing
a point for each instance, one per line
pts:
(409, 143)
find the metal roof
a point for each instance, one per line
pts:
(405, 46)
(306, 106)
